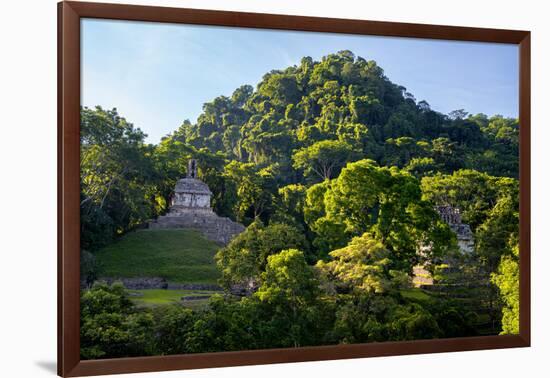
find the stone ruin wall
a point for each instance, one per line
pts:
(210, 225)
(191, 200)
(190, 209)
(465, 240)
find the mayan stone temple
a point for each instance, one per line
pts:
(464, 235)
(190, 208)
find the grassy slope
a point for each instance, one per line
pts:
(156, 297)
(416, 294)
(180, 256)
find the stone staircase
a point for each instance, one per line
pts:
(208, 223)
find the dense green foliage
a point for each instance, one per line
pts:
(506, 279)
(360, 266)
(246, 256)
(300, 126)
(109, 326)
(289, 309)
(382, 200)
(336, 172)
(115, 177)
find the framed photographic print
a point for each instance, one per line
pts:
(239, 188)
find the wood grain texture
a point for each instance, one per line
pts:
(525, 188)
(69, 15)
(68, 190)
(258, 357)
(287, 22)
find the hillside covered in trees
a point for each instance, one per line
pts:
(336, 171)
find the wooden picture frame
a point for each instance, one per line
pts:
(69, 16)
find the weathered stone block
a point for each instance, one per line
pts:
(191, 209)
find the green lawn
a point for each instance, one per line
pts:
(179, 256)
(158, 297)
(415, 294)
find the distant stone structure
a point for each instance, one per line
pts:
(191, 193)
(464, 235)
(190, 208)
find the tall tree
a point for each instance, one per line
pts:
(507, 280)
(245, 257)
(387, 202)
(324, 159)
(116, 177)
(362, 265)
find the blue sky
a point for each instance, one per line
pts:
(158, 75)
